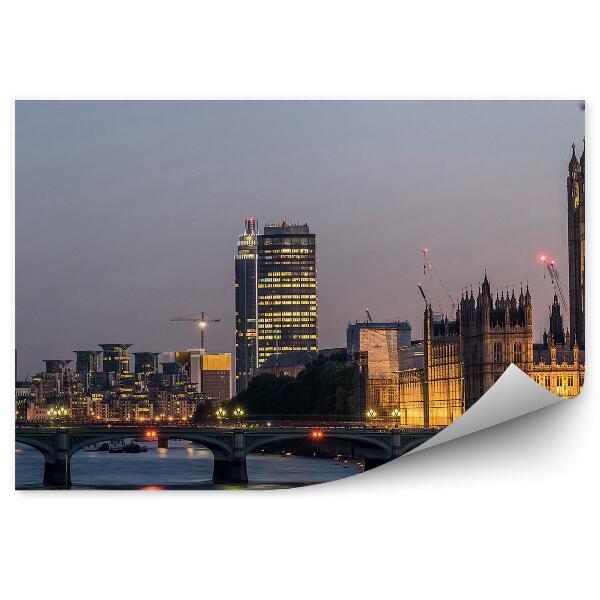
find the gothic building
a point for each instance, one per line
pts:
(576, 235)
(465, 357)
(558, 365)
(494, 335)
(443, 369)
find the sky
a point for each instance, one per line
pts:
(128, 212)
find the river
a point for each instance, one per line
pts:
(184, 465)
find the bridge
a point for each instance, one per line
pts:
(229, 446)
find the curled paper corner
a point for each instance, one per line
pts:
(513, 395)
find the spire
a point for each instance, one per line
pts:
(582, 159)
(574, 162)
(485, 287)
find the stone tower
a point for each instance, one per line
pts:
(576, 229)
(493, 335)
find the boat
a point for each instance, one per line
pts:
(144, 448)
(132, 448)
(115, 449)
(104, 447)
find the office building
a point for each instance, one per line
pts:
(215, 376)
(286, 290)
(245, 306)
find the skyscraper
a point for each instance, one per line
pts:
(576, 226)
(286, 295)
(245, 306)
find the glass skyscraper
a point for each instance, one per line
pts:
(245, 306)
(286, 290)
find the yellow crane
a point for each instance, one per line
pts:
(202, 321)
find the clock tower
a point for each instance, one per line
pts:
(576, 228)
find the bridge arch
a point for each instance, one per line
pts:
(359, 440)
(218, 447)
(47, 449)
(406, 448)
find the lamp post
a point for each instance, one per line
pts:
(371, 415)
(220, 414)
(396, 415)
(238, 413)
(57, 412)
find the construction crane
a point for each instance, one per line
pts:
(202, 321)
(425, 298)
(368, 315)
(439, 289)
(550, 266)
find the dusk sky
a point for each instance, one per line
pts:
(127, 213)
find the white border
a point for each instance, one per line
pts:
(506, 513)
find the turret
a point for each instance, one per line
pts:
(556, 323)
(573, 163)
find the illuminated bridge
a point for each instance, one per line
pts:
(228, 446)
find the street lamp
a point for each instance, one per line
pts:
(238, 413)
(57, 412)
(396, 415)
(220, 414)
(371, 414)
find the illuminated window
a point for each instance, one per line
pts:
(518, 357)
(497, 352)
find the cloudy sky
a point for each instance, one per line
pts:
(127, 213)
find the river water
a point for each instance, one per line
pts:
(184, 465)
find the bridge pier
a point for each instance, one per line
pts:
(57, 467)
(163, 441)
(57, 473)
(230, 470)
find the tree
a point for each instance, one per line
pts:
(324, 388)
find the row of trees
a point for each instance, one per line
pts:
(325, 387)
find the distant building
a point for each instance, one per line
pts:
(22, 399)
(215, 376)
(58, 366)
(373, 348)
(289, 363)
(245, 305)
(360, 334)
(88, 361)
(115, 358)
(286, 290)
(145, 362)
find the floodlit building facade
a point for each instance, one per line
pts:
(286, 290)
(215, 376)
